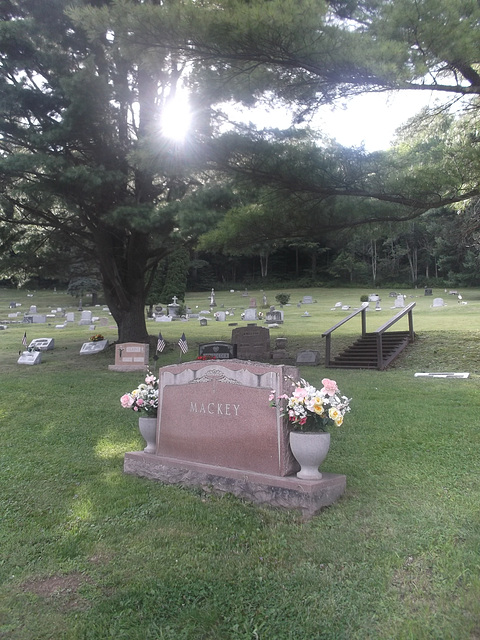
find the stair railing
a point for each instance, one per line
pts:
(328, 333)
(381, 330)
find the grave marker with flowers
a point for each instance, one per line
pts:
(216, 429)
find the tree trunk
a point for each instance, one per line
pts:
(313, 262)
(131, 322)
(412, 255)
(374, 260)
(264, 265)
(123, 266)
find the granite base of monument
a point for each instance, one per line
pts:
(287, 492)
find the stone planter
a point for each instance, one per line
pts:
(309, 450)
(148, 429)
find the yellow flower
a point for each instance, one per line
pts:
(318, 406)
(339, 421)
(294, 401)
(334, 413)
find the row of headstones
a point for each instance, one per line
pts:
(248, 343)
(86, 318)
(249, 314)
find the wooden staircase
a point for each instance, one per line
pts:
(374, 350)
(363, 353)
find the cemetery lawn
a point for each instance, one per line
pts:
(89, 553)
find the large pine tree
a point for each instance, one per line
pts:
(77, 116)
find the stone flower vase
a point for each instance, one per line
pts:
(148, 429)
(310, 450)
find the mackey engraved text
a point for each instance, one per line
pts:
(215, 408)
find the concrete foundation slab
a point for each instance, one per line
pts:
(287, 492)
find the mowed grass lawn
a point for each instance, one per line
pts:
(87, 552)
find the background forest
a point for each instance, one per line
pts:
(430, 251)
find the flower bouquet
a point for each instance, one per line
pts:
(144, 398)
(313, 410)
(97, 338)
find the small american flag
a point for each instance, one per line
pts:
(24, 339)
(182, 343)
(160, 343)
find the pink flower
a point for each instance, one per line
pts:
(300, 393)
(126, 401)
(150, 379)
(329, 386)
(271, 396)
(140, 402)
(302, 420)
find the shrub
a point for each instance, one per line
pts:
(282, 298)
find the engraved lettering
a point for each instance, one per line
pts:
(218, 409)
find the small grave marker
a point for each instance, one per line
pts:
(307, 300)
(86, 318)
(93, 347)
(218, 350)
(280, 351)
(309, 358)
(274, 316)
(250, 314)
(130, 356)
(30, 357)
(442, 375)
(42, 344)
(438, 302)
